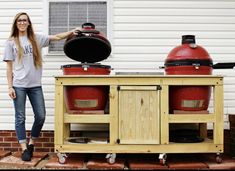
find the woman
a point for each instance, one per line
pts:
(24, 71)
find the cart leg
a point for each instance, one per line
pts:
(111, 157)
(218, 158)
(162, 158)
(62, 158)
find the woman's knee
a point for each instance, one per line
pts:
(40, 119)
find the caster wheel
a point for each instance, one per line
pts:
(218, 159)
(62, 158)
(162, 161)
(111, 160)
(162, 158)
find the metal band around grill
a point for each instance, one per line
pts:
(189, 62)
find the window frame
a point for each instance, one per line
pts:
(46, 20)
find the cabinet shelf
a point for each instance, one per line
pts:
(190, 118)
(72, 118)
(206, 146)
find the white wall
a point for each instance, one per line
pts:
(142, 34)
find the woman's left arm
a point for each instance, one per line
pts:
(63, 35)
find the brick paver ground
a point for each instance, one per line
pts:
(78, 161)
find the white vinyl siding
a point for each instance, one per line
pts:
(142, 33)
(146, 31)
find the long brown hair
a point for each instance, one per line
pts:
(32, 38)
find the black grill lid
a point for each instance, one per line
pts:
(87, 49)
(88, 46)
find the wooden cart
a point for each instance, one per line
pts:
(140, 128)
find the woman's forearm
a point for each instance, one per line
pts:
(63, 35)
(9, 74)
(60, 36)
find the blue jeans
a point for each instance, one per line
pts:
(35, 95)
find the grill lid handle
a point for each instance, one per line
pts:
(226, 65)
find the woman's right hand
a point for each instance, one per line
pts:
(76, 31)
(12, 93)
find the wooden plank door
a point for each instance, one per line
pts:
(139, 115)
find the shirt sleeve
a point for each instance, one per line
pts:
(43, 40)
(8, 54)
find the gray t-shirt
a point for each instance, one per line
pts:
(25, 74)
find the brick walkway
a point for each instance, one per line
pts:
(10, 160)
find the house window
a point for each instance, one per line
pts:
(64, 16)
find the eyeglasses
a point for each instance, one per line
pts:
(24, 21)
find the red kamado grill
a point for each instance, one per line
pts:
(190, 59)
(88, 47)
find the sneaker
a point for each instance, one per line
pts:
(30, 148)
(26, 156)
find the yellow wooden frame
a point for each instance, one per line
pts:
(62, 121)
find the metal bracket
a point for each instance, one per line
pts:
(159, 87)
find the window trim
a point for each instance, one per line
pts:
(46, 20)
